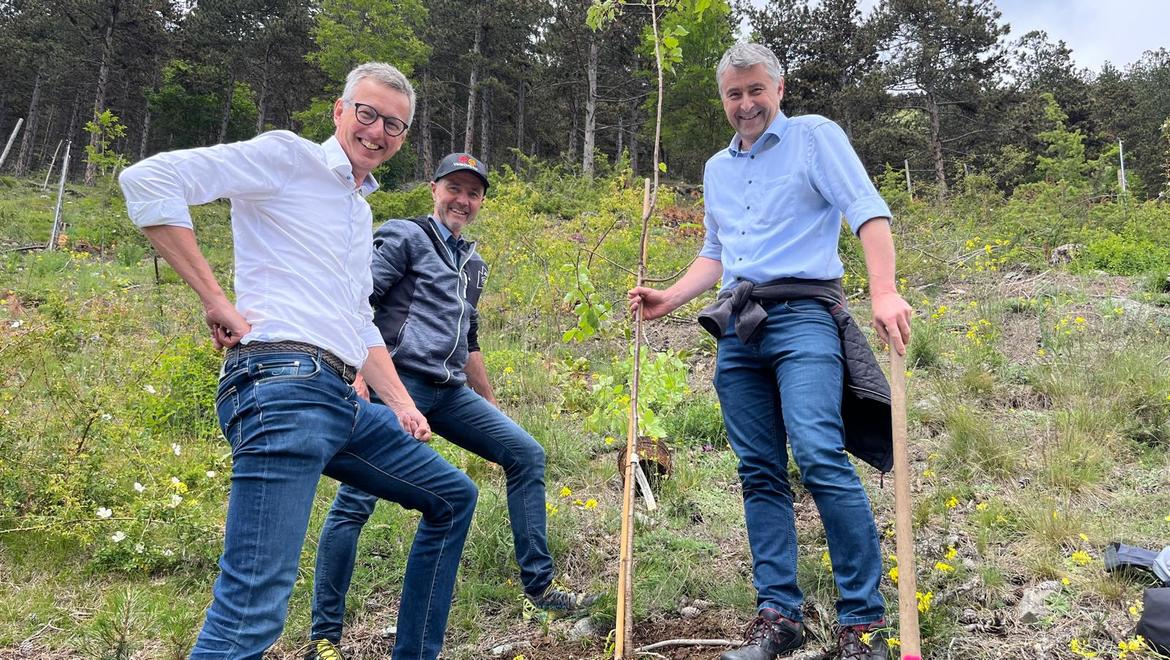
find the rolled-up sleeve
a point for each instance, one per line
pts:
(836, 171)
(159, 189)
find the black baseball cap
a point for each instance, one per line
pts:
(459, 161)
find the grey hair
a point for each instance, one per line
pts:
(745, 56)
(383, 73)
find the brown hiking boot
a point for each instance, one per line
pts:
(863, 642)
(768, 637)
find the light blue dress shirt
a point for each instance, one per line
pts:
(775, 210)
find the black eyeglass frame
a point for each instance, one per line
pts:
(387, 120)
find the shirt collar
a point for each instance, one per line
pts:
(444, 233)
(336, 160)
(775, 130)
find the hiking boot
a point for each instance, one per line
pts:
(323, 649)
(864, 642)
(558, 601)
(768, 637)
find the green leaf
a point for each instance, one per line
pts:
(661, 167)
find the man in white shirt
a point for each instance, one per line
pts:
(298, 334)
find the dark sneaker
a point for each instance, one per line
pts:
(323, 649)
(768, 637)
(558, 601)
(864, 642)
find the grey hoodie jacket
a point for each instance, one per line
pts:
(424, 301)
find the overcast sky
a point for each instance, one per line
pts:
(1118, 31)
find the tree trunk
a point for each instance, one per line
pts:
(473, 87)
(26, 141)
(226, 117)
(99, 95)
(451, 145)
(590, 111)
(936, 154)
(573, 107)
(262, 101)
(76, 110)
(485, 135)
(424, 129)
(520, 116)
(620, 134)
(48, 133)
(144, 142)
(634, 146)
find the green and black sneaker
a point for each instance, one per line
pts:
(557, 601)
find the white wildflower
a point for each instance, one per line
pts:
(211, 474)
(168, 553)
(176, 500)
(16, 324)
(104, 513)
(139, 547)
(177, 448)
(118, 536)
(107, 417)
(139, 488)
(149, 389)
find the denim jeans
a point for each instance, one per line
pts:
(783, 391)
(289, 419)
(469, 421)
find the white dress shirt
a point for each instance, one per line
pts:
(302, 233)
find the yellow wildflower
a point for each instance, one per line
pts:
(925, 600)
(566, 491)
(893, 574)
(943, 567)
(590, 504)
(952, 502)
(1081, 558)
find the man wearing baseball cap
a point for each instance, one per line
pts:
(427, 282)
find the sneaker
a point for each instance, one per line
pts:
(769, 636)
(556, 600)
(323, 649)
(864, 642)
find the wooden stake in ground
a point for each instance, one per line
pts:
(56, 233)
(11, 139)
(911, 648)
(625, 601)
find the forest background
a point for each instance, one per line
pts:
(1040, 393)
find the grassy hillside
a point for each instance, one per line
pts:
(1040, 423)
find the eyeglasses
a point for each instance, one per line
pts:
(367, 115)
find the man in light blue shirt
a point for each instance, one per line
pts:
(774, 198)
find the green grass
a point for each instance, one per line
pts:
(1034, 436)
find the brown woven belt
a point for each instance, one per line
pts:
(335, 363)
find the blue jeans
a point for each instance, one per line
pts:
(468, 420)
(783, 391)
(289, 419)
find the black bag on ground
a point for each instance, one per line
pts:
(1154, 625)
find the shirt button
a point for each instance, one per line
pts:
(749, 208)
(752, 157)
(749, 180)
(742, 233)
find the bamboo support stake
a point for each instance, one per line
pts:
(625, 606)
(625, 603)
(908, 633)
